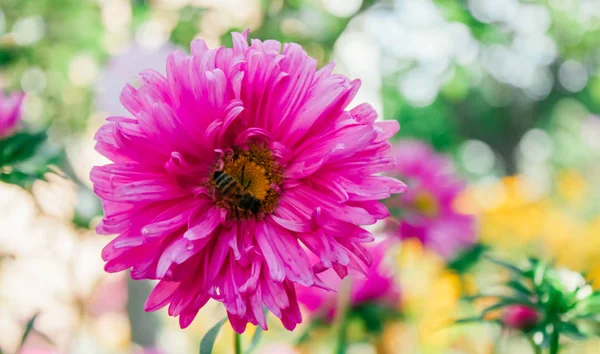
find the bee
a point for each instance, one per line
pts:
(232, 190)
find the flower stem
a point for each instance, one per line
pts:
(554, 341)
(536, 348)
(342, 335)
(343, 317)
(237, 342)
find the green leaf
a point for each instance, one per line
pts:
(570, 330)
(466, 259)
(514, 269)
(19, 178)
(467, 320)
(28, 328)
(539, 273)
(495, 307)
(480, 296)
(208, 342)
(374, 316)
(589, 327)
(255, 340)
(507, 302)
(305, 336)
(477, 319)
(519, 287)
(589, 306)
(502, 299)
(19, 147)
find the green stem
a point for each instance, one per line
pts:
(237, 340)
(342, 335)
(554, 341)
(536, 348)
(343, 316)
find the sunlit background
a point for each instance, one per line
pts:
(508, 89)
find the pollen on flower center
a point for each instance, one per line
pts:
(246, 182)
(426, 204)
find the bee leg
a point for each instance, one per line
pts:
(243, 169)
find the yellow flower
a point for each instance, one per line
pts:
(571, 186)
(430, 296)
(509, 217)
(516, 223)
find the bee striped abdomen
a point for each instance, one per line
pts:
(226, 185)
(231, 190)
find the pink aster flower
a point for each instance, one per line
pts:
(10, 113)
(237, 166)
(520, 317)
(426, 210)
(377, 287)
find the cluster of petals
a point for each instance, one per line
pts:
(10, 112)
(427, 210)
(169, 225)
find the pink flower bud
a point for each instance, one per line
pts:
(520, 317)
(10, 113)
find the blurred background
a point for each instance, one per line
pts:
(508, 89)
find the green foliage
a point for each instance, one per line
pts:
(28, 328)
(467, 258)
(255, 340)
(187, 27)
(563, 311)
(19, 147)
(374, 316)
(208, 341)
(20, 160)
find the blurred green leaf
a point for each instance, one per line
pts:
(208, 341)
(587, 307)
(314, 324)
(374, 316)
(500, 305)
(499, 297)
(466, 259)
(519, 287)
(255, 340)
(476, 319)
(28, 328)
(19, 147)
(467, 320)
(19, 178)
(539, 273)
(514, 269)
(570, 330)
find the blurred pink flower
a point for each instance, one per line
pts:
(520, 317)
(377, 287)
(237, 163)
(426, 209)
(10, 113)
(109, 296)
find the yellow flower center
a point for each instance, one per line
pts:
(250, 176)
(426, 204)
(246, 183)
